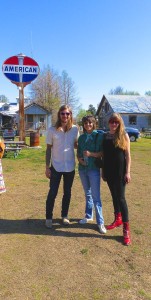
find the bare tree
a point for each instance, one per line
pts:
(68, 93)
(51, 90)
(45, 91)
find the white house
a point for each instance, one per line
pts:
(35, 116)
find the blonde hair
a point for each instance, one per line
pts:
(120, 134)
(70, 121)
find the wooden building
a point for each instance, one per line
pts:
(135, 110)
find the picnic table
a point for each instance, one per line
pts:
(14, 146)
(147, 133)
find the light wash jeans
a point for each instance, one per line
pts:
(91, 184)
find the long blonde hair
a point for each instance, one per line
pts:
(70, 121)
(120, 134)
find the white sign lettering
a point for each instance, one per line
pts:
(21, 69)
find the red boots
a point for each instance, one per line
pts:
(126, 233)
(117, 222)
(126, 230)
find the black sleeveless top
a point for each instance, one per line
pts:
(114, 158)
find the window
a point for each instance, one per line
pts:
(42, 119)
(30, 118)
(6, 107)
(149, 121)
(106, 107)
(132, 120)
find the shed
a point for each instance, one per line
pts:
(8, 114)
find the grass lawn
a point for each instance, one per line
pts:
(75, 262)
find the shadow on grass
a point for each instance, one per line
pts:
(37, 227)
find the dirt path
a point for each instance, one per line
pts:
(74, 262)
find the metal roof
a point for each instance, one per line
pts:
(11, 111)
(129, 104)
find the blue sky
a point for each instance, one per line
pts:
(100, 43)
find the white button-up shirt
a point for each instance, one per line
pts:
(62, 155)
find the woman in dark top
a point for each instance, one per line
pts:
(116, 171)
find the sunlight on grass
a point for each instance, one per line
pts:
(97, 295)
(138, 231)
(135, 249)
(145, 295)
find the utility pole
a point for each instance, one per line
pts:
(21, 114)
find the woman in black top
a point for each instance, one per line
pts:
(116, 171)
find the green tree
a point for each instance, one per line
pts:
(133, 93)
(3, 98)
(91, 110)
(82, 112)
(148, 93)
(117, 91)
(120, 91)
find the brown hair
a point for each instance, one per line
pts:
(70, 121)
(120, 140)
(87, 119)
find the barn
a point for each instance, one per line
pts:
(135, 110)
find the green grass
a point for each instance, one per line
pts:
(143, 149)
(145, 295)
(84, 251)
(30, 155)
(142, 144)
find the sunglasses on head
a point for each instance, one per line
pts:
(114, 122)
(86, 119)
(64, 113)
(87, 122)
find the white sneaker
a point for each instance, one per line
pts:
(65, 221)
(48, 223)
(85, 220)
(102, 228)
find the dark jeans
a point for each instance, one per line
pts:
(54, 186)
(117, 189)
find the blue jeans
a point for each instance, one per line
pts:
(53, 191)
(91, 184)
